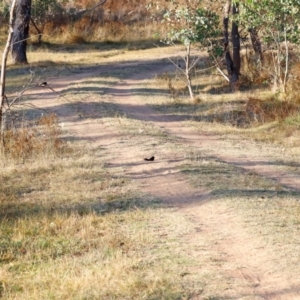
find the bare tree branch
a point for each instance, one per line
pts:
(79, 13)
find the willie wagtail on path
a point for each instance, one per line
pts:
(149, 159)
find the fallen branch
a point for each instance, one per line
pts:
(223, 74)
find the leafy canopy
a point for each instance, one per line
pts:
(277, 19)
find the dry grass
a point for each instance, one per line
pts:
(24, 141)
(69, 224)
(270, 210)
(68, 256)
(269, 110)
(248, 112)
(214, 104)
(59, 242)
(107, 32)
(262, 201)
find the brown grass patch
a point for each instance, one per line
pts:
(269, 110)
(27, 141)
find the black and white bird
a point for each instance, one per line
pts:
(149, 159)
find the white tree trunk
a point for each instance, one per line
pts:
(4, 61)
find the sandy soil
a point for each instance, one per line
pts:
(250, 266)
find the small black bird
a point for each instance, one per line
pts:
(149, 159)
(43, 83)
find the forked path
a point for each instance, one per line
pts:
(249, 266)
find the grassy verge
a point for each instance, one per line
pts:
(113, 256)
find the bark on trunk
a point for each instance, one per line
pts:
(228, 59)
(21, 30)
(3, 68)
(188, 71)
(236, 57)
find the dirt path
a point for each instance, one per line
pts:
(249, 265)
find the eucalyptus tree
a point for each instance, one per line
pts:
(233, 61)
(278, 24)
(21, 24)
(3, 68)
(20, 31)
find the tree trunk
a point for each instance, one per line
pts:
(256, 44)
(236, 56)
(21, 31)
(188, 71)
(3, 68)
(233, 63)
(228, 59)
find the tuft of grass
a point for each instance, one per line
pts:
(27, 141)
(74, 37)
(269, 110)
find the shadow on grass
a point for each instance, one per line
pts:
(96, 89)
(56, 69)
(13, 210)
(215, 180)
(26, 192)
(212, 182)
(233, 114)
(278, 293)
(254, 193)
(128, 69)
(98, 46)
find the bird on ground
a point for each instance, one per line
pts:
(45, 84)
(149, 159)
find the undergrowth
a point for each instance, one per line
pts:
(250, 110)
(31, 140)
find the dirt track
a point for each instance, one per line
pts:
(250, 265)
